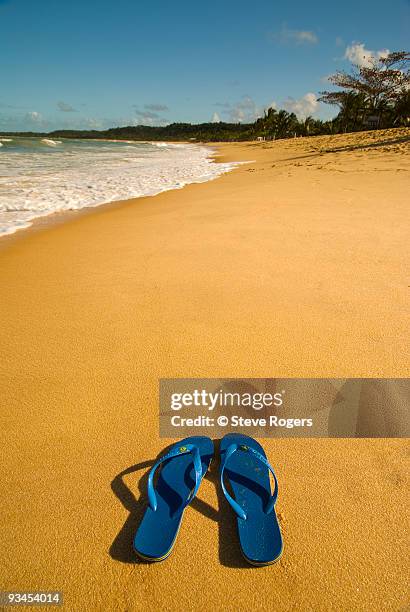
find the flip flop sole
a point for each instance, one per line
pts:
(265, 563)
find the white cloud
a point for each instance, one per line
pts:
(359, 55)
(33, 117)
(304, 36)
(297, 37)
(65, 108)
(156, 107)
(244, 111)
(35, 121)
(146, 117)
(326, 78)
(303, 107)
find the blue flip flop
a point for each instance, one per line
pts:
(182, 470)
(246, 468)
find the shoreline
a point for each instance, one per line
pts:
(57, 217)
(290, 266)
(60, 216)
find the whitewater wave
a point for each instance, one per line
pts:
(36, 181)
(51, 143)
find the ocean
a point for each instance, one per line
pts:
(41, 176)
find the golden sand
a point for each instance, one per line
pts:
(292, 265)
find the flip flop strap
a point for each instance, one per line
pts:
(234, 504)
(176, 452)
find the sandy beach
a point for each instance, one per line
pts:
(291, 265)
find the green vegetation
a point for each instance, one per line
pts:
(376, 95)
(175, 131)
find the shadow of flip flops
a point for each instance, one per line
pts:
(122, 547)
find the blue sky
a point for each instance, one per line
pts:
(98, 63)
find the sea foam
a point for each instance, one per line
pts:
(51, 143)
(38, 180)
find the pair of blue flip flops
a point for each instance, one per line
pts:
(246, 469)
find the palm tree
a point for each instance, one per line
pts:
(283, 123)
(307, 125)
(353, 108)
(401, 109)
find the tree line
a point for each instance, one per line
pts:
(372, 96)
